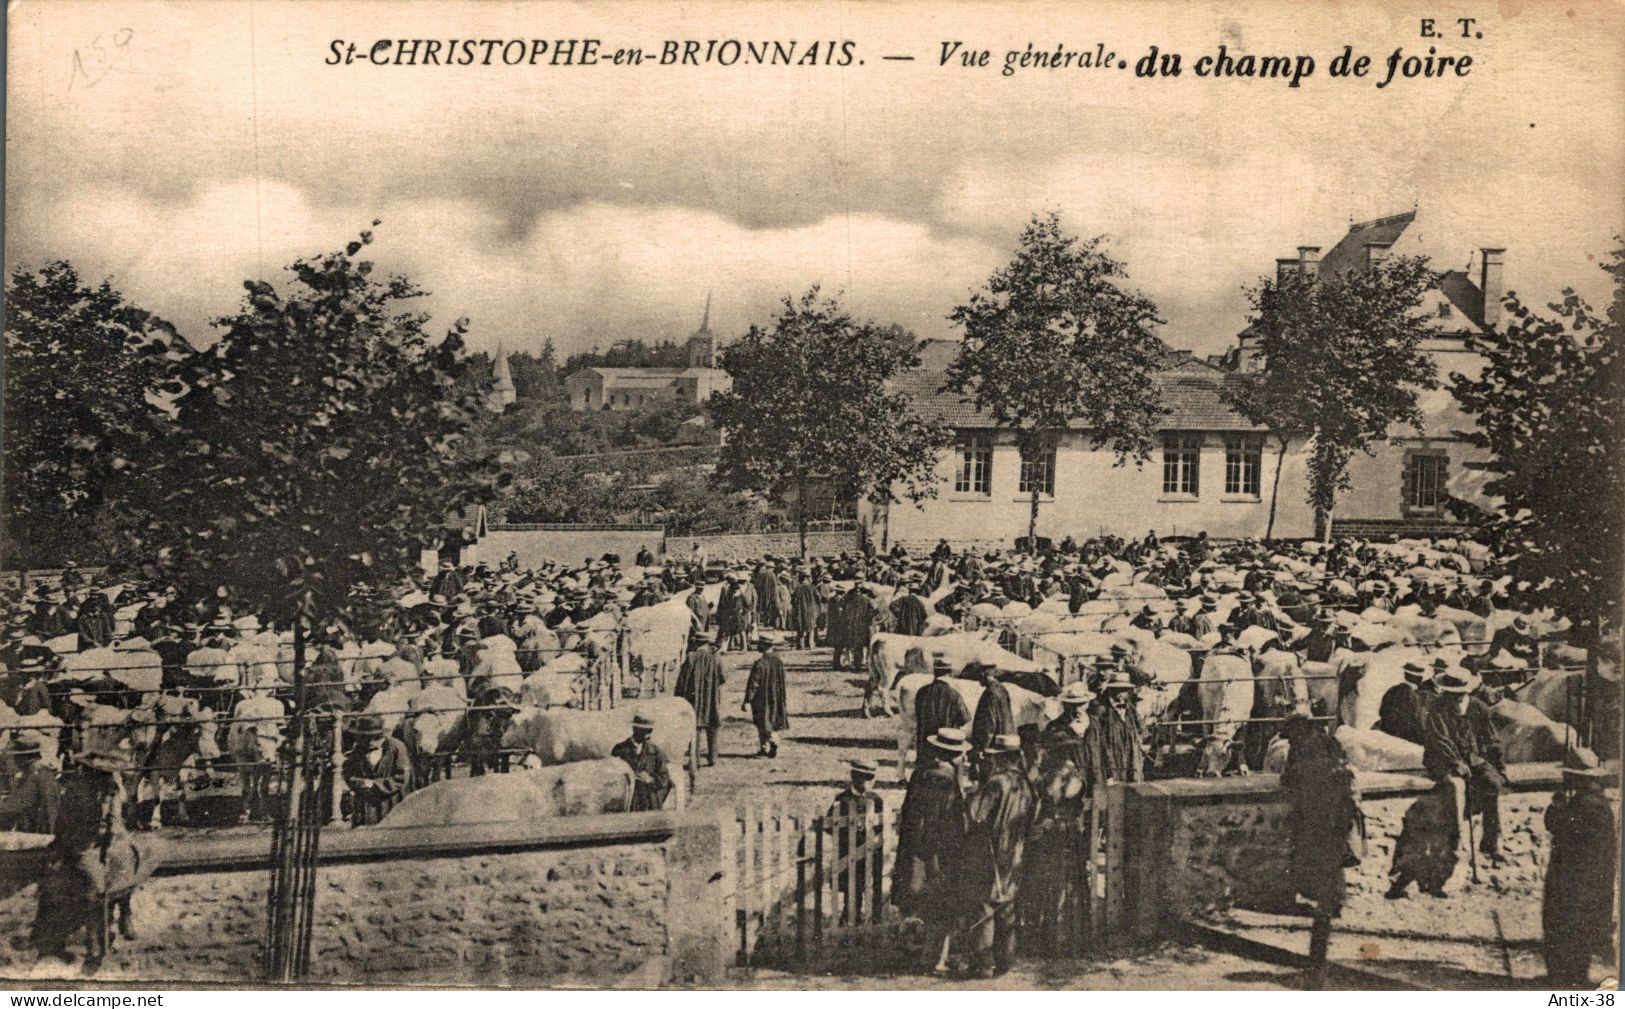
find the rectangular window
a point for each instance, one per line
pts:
(974, 474)
(1038, 470)
(1424, 484)
(1181, 463)
(1243, 464)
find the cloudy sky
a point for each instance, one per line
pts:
(179, 148)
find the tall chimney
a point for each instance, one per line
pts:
(1285, 267)
(1375, 253)
(1489, 281)
(1309, 259)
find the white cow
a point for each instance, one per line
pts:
(1226, 691)
(562, 736)
(582, 788)
(253, 737)
(887, 651)
(1528, 736)
(1375, 750)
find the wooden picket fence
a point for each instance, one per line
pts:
(810, 884)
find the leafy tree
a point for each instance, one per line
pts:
(1053, 342)
(1550, 407)
(1341, 366)
(315, 444)
(81, 367)
(811, 398)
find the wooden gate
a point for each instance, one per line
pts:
(811, 883)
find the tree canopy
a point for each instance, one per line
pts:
(314, 444)
(82, 366)
(1341, 364)
(1549, 408)
(1054, 340)
(812, 400)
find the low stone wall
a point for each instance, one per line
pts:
(750, 546)
(629, 899)
(1194, 846)
(563, 546)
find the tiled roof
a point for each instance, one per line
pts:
(1189, 389)
(1349, 253)
(1464, 294)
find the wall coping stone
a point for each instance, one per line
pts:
(1372, 784)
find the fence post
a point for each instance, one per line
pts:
(1114, 865)
(818, 879)
(335, 808)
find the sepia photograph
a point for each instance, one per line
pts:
(842, 496)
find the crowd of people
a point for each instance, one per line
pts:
(152, 688)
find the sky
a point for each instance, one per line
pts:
(181, 148)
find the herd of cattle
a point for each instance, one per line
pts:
(1202, 688)
(562, 719)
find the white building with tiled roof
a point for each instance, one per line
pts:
(597, 388)
(1211, 470)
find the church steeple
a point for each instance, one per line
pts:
(502, 388)
(701, 345)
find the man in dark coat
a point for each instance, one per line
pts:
(804, 612)
(651, 782)
(908, 612)
(1577, 913)
(701, 609)
(95, 619)
(837, 630)
(35, 796)
(861, 805)
(763, 583)
(1324, 814)
(377, 771)
(993, 716)
(930, 835)
(1113, 742)
(861, 613)
(1459, 741)
(1063, 769)
(700, 684)
(937, 705)
(765, 699)
(999, 815)
(1403, 706)
(1319, 644)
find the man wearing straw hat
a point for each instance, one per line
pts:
(1064, 773)
(999, 815)
(930, 833)
(1459, 742)
(1577, 909)
(1404, 705)
(376, 771)
(855, 805)
(35, 797)
(651, 781)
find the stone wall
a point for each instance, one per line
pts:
(629, 899)
(749, 546)
(1194, 846)
(562, 546)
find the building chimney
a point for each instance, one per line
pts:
(1284, 268)
(1309, 259)
(1375, 253)
(1489, 281)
